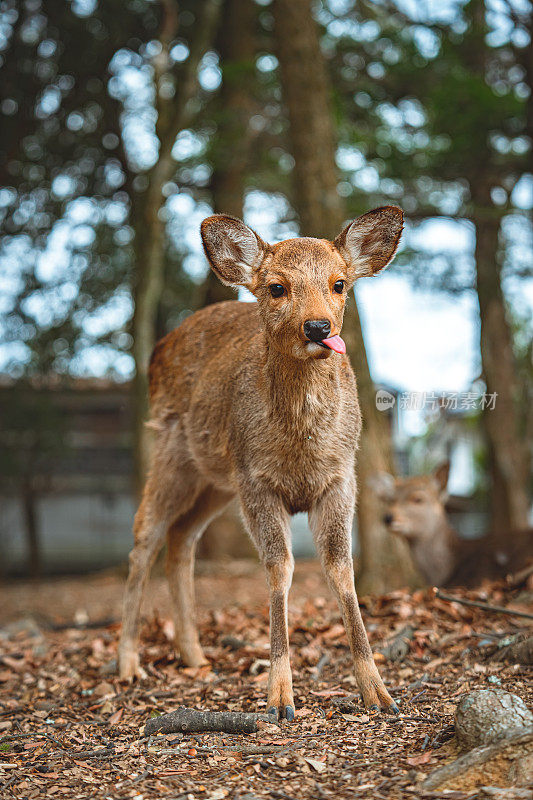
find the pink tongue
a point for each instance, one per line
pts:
(335, 343)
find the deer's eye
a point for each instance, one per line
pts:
(338, 286)
(417, 499)
(276, 290)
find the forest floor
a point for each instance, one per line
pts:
(70, 728)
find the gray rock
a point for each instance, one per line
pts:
(488, 715)
(498, 793)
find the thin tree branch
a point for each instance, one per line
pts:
(483, 606)
(189, 81)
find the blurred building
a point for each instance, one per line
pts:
(66, 470)
(81, 489)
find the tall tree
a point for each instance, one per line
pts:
(230, 147)
(68, 160)
(230, 157)
(175, 110)
(502, 422)
(385, 562)
(444, 124)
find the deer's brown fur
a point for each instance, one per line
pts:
(244, 404)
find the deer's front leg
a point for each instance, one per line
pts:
(331, 523)
(268, 525)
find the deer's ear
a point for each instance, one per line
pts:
(233, 250)
(441, 475)
(369, 242)
(383, 484)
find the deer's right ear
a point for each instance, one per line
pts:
(383, 484)
(233, 250)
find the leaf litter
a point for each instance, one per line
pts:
(70, 728)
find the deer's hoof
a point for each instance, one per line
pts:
(382, 705)
(196, 661)
(129, 666)
(286, 712)
(289, 713)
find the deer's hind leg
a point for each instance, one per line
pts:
(169, 494)
(182, 538)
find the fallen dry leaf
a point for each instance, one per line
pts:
(116, 717)
(318, 766)
(422, 758)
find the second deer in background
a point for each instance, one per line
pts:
(414, 508)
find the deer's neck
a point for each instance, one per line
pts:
(300, 393)
(436, 553)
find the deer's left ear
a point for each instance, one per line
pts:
(441, 475)
(369, 242)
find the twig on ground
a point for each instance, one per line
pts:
(104, 752)
(518, 578)
(398, 646)
(187, 720)
(10, 737)
(510, 748)
(324, 661)
(8, 783)
(252, 750)
(483, 606)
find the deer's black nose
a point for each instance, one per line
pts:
(317, 329)
(387, 519)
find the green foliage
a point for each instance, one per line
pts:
(426, 110)
(433, 116)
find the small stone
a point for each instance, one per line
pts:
(233, 642)
(44, 705)
(109, 668)
(26, 625)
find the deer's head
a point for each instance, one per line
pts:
(414, 506)
(301, 285)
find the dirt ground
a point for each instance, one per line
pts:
(70, 728)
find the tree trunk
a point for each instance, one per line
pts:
(501, 421)
(29, 510)
(236, 46)
(385, 561)
(173, 113)
(150, 261)
(226, 536)
(498, 502)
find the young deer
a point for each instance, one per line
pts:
(258, 400)
(415, 510)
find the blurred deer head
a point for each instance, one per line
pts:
(414, 510)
